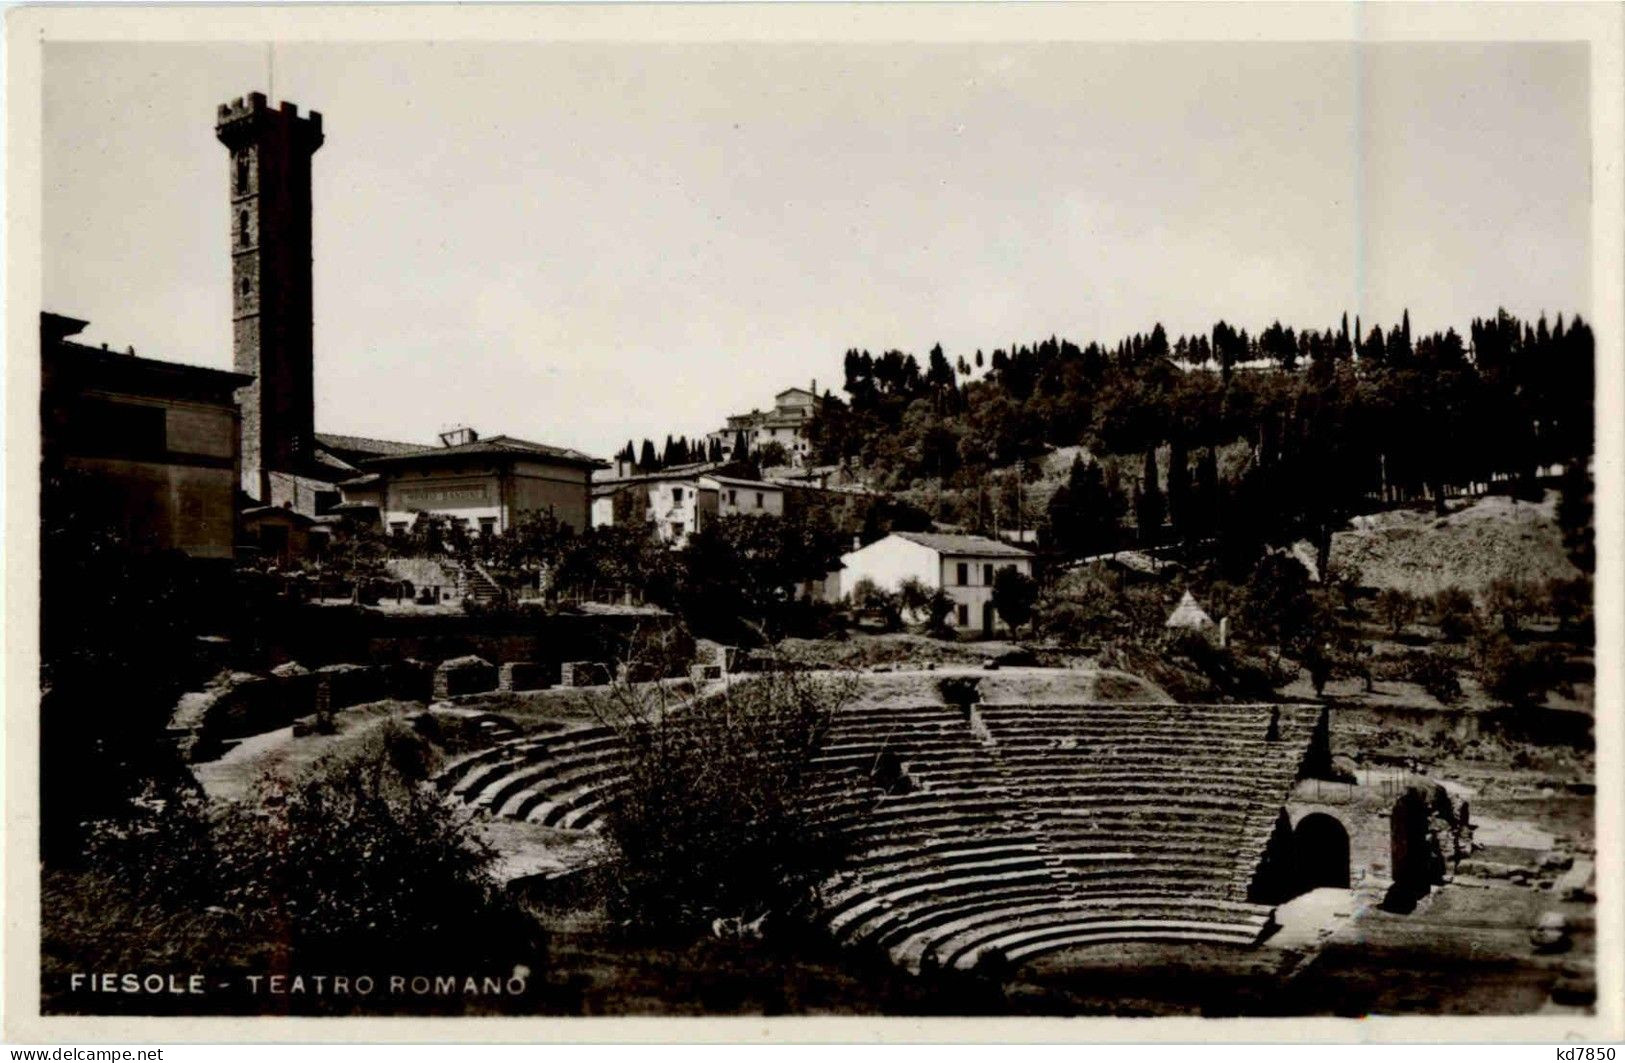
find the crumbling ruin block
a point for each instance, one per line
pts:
(464, 675)
(524, 675)
(582, 674)
(410, 679)
(352, 684)
(636, 672)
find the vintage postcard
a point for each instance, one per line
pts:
(814, 522)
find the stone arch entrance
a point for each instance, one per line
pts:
(1320, 846)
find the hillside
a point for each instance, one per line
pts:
(1492, 538)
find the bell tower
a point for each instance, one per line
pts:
(269, 176)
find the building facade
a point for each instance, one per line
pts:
(965, 566)
(483, 484)
(147, 448)
(785, 424)
(678, 502)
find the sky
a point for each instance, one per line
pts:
(582, 243)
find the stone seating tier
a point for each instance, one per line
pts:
(500, 788)
(1051, 827)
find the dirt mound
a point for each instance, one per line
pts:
(1493, 538)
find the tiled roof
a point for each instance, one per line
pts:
(331, 461)
(972, 545)
(740, 481)
(365, 445)
(496, 446)
(690, 471)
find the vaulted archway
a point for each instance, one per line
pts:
(1320, 847)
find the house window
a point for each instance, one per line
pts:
(676, 529)
(242, 176)
(397, 528)
(963, 612)
(488, 527)
(677, 496)
(987, 575)
(758, 500)
(733, 498)
(242, 227)
(964, 576)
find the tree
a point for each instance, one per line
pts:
(870, 597)
(715, 813)
(1453, 613)
(913, 595)
(748, 569)
(1083, 512)
(1570, 601)
(939, 373)
(1014, 594)
(1515, 676)
(647, 462)
(772, 453)
(1396, 608)
(1276, 606)
(1148, 507)
(1574, 505)
(1510, 602)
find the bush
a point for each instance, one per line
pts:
(1570, 602)
(1511, 602)
(869, 597)
(921, 601)
(1396, 608)
(1516, 676)
(714, 814)
(1453, 613)
(353, 858)
(1437, 677)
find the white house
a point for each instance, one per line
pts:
(962, 565)
(681, 501)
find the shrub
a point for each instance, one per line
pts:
(868, 596)
(1513, 675)
(1396, 608)
(714, 814)
(1453, 613)
(1437, 677)
(921, 601)
(353, 858)
(1570, 601)
(1510, 602)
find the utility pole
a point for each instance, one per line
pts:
(1021, 522)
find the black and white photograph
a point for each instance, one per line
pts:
(918, 526)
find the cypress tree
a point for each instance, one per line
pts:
(1148, 509)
